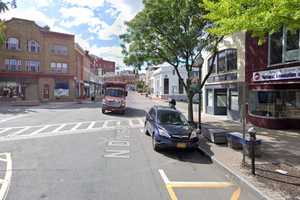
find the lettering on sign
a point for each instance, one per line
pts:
(118, 143)
(277, 74)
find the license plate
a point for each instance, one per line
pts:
(181, 145)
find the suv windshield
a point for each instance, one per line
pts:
(114, 92)
(171, 117)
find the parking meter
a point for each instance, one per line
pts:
(252, 132)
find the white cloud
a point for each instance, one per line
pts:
(30, 14)
(42, 3)
(72, 17)
(86, 3)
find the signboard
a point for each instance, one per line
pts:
(61, 92)
(277, 74)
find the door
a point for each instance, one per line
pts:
(46, 93)
(221, 102)
(166, 86)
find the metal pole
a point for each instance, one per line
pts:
(253, 141)
(199, 100)
(244, 120)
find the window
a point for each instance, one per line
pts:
(234, 100)
(221, 99)
(225, 60)
(59, 67)
(13, 65)
(180, 86)
(32, 66)
(221, 61)
(33, 46)
(152, 113)
(284, 46)
(59, 49)
(171, 117)
(61, 88)
(231, 59)
(275, 104)
(213, 66)
(210, 98)
(12, 43)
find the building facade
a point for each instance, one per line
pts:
(36, 64)
(273, 79)
(223, 91)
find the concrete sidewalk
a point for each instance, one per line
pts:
(279, 147)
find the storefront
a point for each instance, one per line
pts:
(18, 89)
(274, 98)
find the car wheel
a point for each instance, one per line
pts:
(122, 112)
(154, 144)
(103, 111)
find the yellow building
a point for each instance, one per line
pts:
(36, 63)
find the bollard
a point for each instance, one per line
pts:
(252, 133)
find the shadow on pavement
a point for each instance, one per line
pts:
(130, 112)
(195, 156)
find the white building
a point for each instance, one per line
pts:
(164, 82)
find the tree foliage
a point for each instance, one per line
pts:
(3, 8)
(256, 16)
(171, 31)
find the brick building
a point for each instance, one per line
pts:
(273, 79)
(104, 67)
(36, 63)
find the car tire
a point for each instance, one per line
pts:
(103, 111)
(122, 112)
(154, 144)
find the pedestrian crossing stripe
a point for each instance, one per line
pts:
(26, 131)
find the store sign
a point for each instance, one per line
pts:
(277, 74)
(61, 92)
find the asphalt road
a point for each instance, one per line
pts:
(72, 151)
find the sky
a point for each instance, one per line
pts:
(96, 24)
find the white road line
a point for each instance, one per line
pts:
(142, 130)
(4, 130)
(76, 126)
(118, 123)
(40, 130)
(130, 123)
(59, 128)
(19, 132)
(7, 178)
(164, 176)
(11, 118)
(91, 125)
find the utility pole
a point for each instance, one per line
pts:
(200, 62)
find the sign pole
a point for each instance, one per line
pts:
(244, 121)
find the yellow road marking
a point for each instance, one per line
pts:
(236, 194)
(170, 185)
(176, 184)
(171, 192)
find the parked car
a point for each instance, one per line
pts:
(169, 128)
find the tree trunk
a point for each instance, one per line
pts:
(190, 108)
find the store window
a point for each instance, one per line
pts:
(61, 88)
(12, 43)
(284, 46)
(221, 99)
(234, 100)
(13, 65)
(210, 98)
(11, 89)
(275, 104)
(33, 46)
(231, 59)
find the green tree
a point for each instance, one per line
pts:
(171, 31)
(3, 8)
(259, 17)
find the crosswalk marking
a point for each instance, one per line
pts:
(40, 130)
(91, 125)
(59, 128)
(4, 130)
(20, 131)
(8, 133)
(76, 126)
